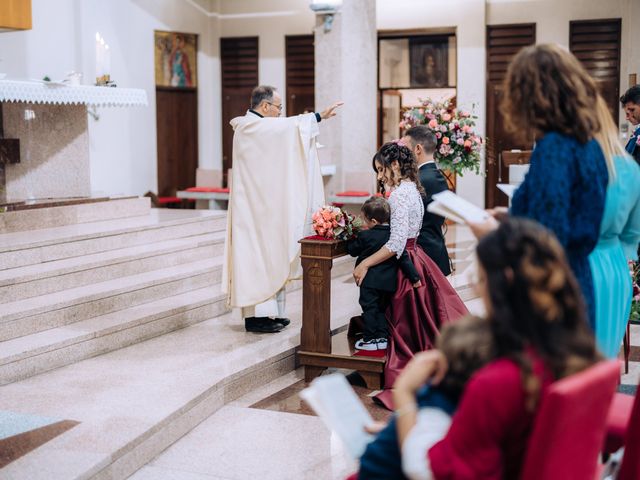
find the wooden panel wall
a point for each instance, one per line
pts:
(239, 65)
(177, 131)
(300, 72)
(596, 43)
(503, 42)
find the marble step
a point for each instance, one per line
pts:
(30, 355)
(32, 315)
(38, 218)
(24, 317)
(134, 402)
(43, 278)
(49, 244)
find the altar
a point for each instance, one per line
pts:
(44, 137)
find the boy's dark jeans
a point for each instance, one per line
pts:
(374, 303)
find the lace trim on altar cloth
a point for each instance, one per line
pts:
(39, 92)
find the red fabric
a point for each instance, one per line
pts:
(353, 476)
(370, 353)
(488, 435)
(617, 421)
(630, 468)
(416, 316)
(316, 237)
(567, 436)
(165, 200)
(208, 189)
(353, 193)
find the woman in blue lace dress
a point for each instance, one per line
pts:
(549, 96)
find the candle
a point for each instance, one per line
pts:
(98, 57)
(107, 60)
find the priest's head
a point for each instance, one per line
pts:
(266, 101)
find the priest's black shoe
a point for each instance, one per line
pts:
(262, 325)
(283, 321)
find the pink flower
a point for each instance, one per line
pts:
(467, 143)
(446, 117)
(445, 140)
(466, 128)
(460, 141)
(433, 123)
(465, 114)
(438, 135)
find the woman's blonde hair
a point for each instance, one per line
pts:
(607, 137)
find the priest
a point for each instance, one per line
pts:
(275, 186)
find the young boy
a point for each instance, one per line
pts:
(468, 346)
(381, 280)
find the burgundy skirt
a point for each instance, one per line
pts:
(416, 315)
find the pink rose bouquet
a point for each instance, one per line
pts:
(458, 148)
(333, 223)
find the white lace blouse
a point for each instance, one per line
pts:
(407, 211)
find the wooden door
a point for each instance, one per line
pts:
(503, 42)
(177, 138)
(596, 43)
(300, 72)
(239, 67)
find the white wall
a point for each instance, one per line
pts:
(271, 21)
(123, 140)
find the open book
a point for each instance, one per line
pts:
(449, 205)
(507, 189)
(338, 406)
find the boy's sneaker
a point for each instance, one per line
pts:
(382, 343)
(368, 345)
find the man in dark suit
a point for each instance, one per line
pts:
(422, 141)
(381, 280)
(631, 103)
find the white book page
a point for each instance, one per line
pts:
(338, 406)
(439, 209)
(460, 207)
(507, 188)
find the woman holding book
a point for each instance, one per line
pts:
(415, 315)
(550, 97)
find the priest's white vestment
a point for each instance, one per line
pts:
(275, 187)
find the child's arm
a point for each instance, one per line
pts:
(354, 247)
(409, 269)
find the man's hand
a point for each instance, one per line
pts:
(331, 111)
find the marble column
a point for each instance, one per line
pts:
(346, 69)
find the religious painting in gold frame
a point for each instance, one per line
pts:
(175, 59)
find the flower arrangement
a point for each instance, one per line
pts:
(458, 148)
(333, 223)
(634, 268)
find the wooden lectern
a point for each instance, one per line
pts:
(318, 350)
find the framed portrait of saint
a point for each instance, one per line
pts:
(175, 59)
(429, 60)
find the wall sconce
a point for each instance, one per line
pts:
(326, 8)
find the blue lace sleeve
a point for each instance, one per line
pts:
(545, 194)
